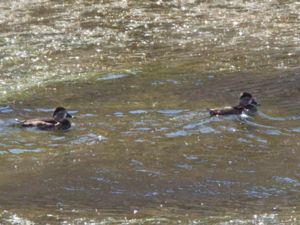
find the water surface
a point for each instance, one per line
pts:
(139, 76)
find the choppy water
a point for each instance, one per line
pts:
(139, 76)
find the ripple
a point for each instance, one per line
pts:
(243, 140)
(152, 194)
(119, 114)
(254, 124)
(263, 192)
(286, 180)
(170, 112)
(265, 116)
(136, 163)
(257, 138)
(179, 133)
(143, 129)
(137, 112)
(73, 188)
(88, 115)
(6, 109)
(89, 139)
(297, 130)
(112, 76)
(273, 132)
(150, 173)
(184, 166)
(192, 157)
(18, 151)
(163, 82)
(207, 130)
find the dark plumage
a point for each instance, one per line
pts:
(57, 122)
(246, 104)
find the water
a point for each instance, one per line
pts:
(139, 77)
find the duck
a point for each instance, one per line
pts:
(247, 104)
(58, 121)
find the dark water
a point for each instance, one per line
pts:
(139, 76)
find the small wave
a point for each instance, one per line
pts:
(263, 192)
(17, 151)
(179, 133)
(297, 130)
(170, 112)
(287, 181)
(258, 125)
(89, 139)
(112, 76)
(6, 109)
(265, 116)
(138, 111)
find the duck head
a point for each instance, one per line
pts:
(60, 114)
(246, 99)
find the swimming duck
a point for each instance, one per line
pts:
(57, 122)
(246, 104)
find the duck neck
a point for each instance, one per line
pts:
(63, 125)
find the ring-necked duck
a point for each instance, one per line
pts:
(246, 104)
(58, 121)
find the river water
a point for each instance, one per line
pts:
(139, 77)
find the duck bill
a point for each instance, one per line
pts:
(254, 102)
(69, 116)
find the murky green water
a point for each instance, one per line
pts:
(139, 76)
